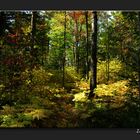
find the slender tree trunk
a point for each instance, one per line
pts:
(77, 47)
(107, 50)
(64, 50)
(2, 38)
(2, 24)
(79, 39)
(47, 51)
(73, 49)
(32, 42)
(2, 35)
(77, 56)
(87, 46)
(33, 32)
(139, 56)
(93, 78)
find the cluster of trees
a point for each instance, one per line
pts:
(57, 40)
(67, 38)
(45, 38)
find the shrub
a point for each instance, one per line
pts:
(117, 88)
(115, 68)
(72, 75)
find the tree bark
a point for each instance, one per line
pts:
(2, 24)
(32, 42)
(87, 46)
(107, 52)
(93, 64)
(77, 47)
(64, 49)
(33, 32)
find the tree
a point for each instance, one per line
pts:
(77, 16)
(64, 51)
(33, 33)
(139, 55)
(2, 34)
(93, 78)
(107, 51)
(87, 46)
(2, 24)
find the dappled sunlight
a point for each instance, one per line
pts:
(117, 88)
(69, 69)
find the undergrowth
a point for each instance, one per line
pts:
(41, 101)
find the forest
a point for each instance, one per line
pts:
(69, 69)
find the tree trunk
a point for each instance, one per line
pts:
(64, 51)
(139, 56)
(87, 46)
(77, 47)
(32, 42)
(33, 32)
(2, 34)
(93, 64)
(47, 51)
(2, 24)
(107, 53)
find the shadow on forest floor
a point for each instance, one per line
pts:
(49, 105)
(110, 114)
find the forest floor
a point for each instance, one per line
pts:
(115, 105)
(46, 104)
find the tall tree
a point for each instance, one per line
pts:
(64, 47)
(76, 16)
(139, 55)
(77, 42)
(107, 50)
(33, 33)
(2, 23)
(32, 43)
(87, 46)
(2, 33)
(93, 64)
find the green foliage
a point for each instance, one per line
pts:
(72, 75)
(80, 97)
(118, 88)
(32, 58)
(115, 69)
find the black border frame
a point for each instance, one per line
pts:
(72, 134)
(69, 134)
(70, 5)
